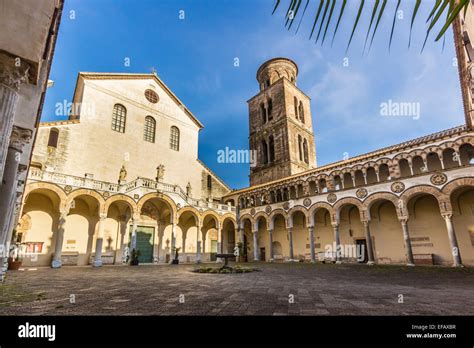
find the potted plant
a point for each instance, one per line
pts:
(175, 261)
(134, 257)
(15, 260)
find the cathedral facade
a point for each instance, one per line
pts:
(122, 172)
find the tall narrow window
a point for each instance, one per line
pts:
(174, 138)
(264, 152)
(295, 102)
(119, 118)
(53, 138)
(301, 112)
(300, 150)
(270, 108)
(209, 182)
(149, 130)
(305, 151)
(263, 113)
(271, 148)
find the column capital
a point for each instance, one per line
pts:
(254, 231)
(447, 215)
(13, 76)
(311, 227)
(403, 219)
(102, 216)
(19, 138)
(335, 224)
(365, 222)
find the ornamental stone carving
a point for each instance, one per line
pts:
(106, 194)
(286, 205)
(438, 179)
(268, 209)
(68, 188)
(331, 198)
(307, 202)
(13, 76)
(397, 187)
(19, 138)
(361, 193)
(252, 211)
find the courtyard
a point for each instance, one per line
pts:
(276, 289)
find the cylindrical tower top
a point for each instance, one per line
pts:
(274, 69)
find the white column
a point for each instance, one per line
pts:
(99, 241)
(448, 218)
(338, 243)
(270, 235)
(256, 256)
(58, 246)
(311, 243)
(406, 238)
(173, 241)
(219, 242)
(290, 240)
(198, 244)
(368, 237)
(133, 241)
(378, 175)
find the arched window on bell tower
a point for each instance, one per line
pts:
(270, 108)
(295, 102)
(305, 151)
(301, 112)
(264, 152)
(300, 150)
(271, 145)
(263, 113)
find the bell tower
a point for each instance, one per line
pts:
(280, 124)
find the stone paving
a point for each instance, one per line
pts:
(322, 289)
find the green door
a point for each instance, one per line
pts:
(145, 236)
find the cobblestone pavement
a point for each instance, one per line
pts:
(323, 289)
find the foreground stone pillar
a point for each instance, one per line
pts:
(256, 256)
(448, 218)
(99, 241)
(368, 237)
(11, 78)
(290, 240)
(407, 241)
(18, 139)
(311, 243)
(337, 239)
(58, 247)
(270, 235)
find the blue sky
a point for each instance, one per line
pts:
(195, 58)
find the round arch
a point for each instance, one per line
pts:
(162, 197)
(86, 192)
(194, 212)
(121, 198)
(46, 186)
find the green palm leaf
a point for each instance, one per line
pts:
(382, 9)
(393, 24)
(343, 6)
(415, 11)
(452, 16)
(374, 12)
(329, 20)
(301, 19)
(321, 3)
(322, 20)
(356, 22)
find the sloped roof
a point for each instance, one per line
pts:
(134, 76)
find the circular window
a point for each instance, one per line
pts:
(151, 96)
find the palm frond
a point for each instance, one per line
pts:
(325, 12)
